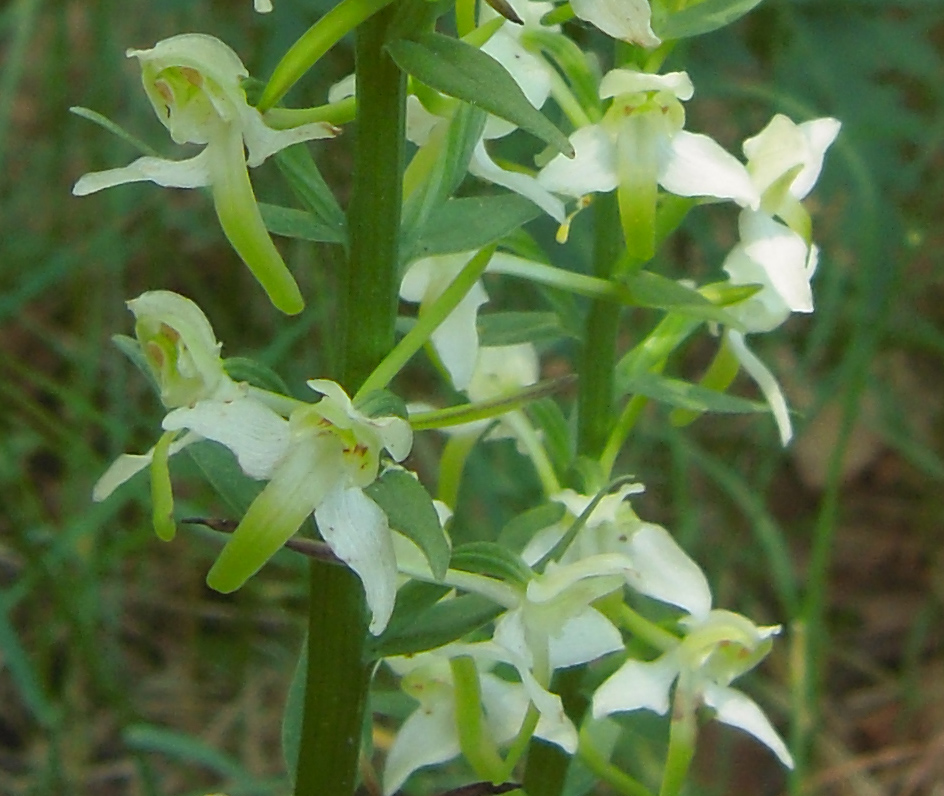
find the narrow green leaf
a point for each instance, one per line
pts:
(648, 289)
(409, 510)
(300, 170)
(181, 747)
(255, 373)
(694, 397)
(702, 17)
(439, 167)
(472, 222)
(292, 223)
(22, 673)
(224, 474)
(440, 624)
(492, 560)
(294, 712)
(512, 328)
(462, 71)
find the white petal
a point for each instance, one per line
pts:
(738, 710)
(591, 170)
(637, 685)
(356, 530)
(191, 173)
(632, 81)
(456, 339)
(257, 436)
(420, 123)
(531, 72)
(483, 167)
(766, 309)
(263, 6)
(628, 20)
(262, 141)
(129, 465)
(698, 166)
(427, 737)
(586, 637)
(665, 572)
(767, 382)
(784, 256)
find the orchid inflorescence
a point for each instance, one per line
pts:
(589, 585)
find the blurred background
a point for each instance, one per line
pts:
(120, 673)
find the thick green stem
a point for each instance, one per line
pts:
(598, 358)
(338, 675)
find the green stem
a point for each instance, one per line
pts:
(474, 739)
(605, 771)
(682, 731)
(315, 42)
(338, 675)
(595, 396)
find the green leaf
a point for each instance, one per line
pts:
(21, 672)
(302, 174)
(550, 420)
(686, 395)
(702, 17)
(290, 222)
(181, 747)
(470, 223)
(648, 289)
(440, 624)
(254, 373)
(223, 472)
(492, 560)
(439, 167)
(462, 71)
(521, 529)
(511, 328)
(294, 712)
(410, 510)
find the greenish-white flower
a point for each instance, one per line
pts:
(640, 145)
(194, 83)
(718, 647)
(628, 20)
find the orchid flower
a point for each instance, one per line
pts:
(784, 161)
(655, 564)
(194, 83)
(718, 647)
(640, 145)
(316, 462)
(430, 735)
(183, 356)
(549, 625)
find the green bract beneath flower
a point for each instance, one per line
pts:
(194, 83)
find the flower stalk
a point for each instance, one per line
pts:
(338, 675)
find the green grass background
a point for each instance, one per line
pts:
(121, 674)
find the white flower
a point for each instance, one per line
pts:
(640, 145)
(641, 138)
(263, 6)
(717, 648)
(183, 355)
(194, 83)
(430, 734)
(784, 161)
(318, 462)
(654, 565)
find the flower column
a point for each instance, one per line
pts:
(337, 679)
